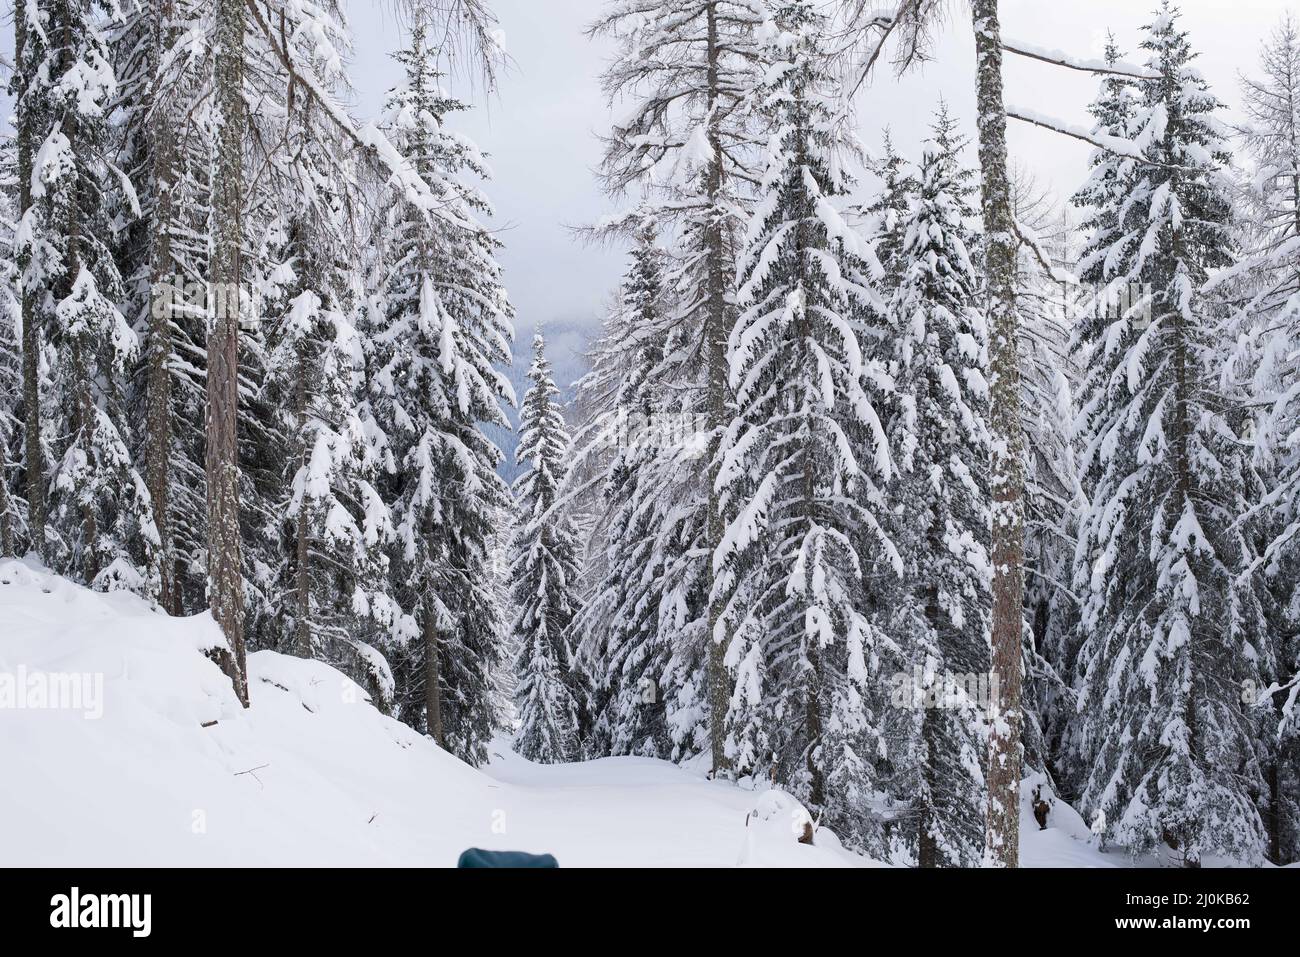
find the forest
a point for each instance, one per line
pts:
(891, 482)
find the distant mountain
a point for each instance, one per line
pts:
(566, 345)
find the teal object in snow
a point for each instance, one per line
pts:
(477, 857)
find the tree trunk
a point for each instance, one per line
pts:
(716, 333)
(85, 425)
(35, 453)
(1007, 478)
(225, 583)
(302, 526)
(164, 286)
(432, 678)
(7, 542)
(927, 848)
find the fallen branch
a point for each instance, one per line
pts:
(253, 773)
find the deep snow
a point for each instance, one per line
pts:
(312, 774)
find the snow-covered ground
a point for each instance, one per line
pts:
(154, 763)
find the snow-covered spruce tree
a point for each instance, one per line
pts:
(889, 210)
(1048, 299)
(1266, 320)
(645, 688)
(444, 327)
(163, 142)
(1169, 631)
(940, 438)
(103, 517)
(800, 638)
(331, 522)
(688, 140)
(544, 575)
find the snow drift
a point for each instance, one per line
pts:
(124, 745)
(162, 767)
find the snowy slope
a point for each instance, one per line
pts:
(311, 774)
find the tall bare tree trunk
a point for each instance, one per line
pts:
(716, 333)
(432, 678)
(7, 541)
(35, 454)
(1007, 477)
(164, 286)
(302, 525)
(225, 583)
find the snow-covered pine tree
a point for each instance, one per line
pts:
(1266, 323)
(786, 569)
(689, 67)
(103, 516)
(889, 210)
(332, 524)
(225, 591)
(434, 349)
(940, 438)
(1048, 297)
(544, 574)
(163, 141)
(645, 685)
(1169, 629)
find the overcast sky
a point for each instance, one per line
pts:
(541, 127)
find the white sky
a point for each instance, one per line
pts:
(540, 129)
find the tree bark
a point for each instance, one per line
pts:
(35, 453)
(1007, 480)
(302, 525)
(432, 678)
(225, 581)
(164, 286)
(7, 542)
(715, 333)
(927, 848)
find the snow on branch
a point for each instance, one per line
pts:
(369, 139)
(1060, 58)
(911, 23)
(1026, 236)
(1111, 144)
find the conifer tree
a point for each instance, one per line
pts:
(1264, 290)
(644, 685)
(102, 510)
(688, 141)
(1170, 630)
(940, 438)
(435, 345)
(163, 139)
(801, 638)
(549, 687)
